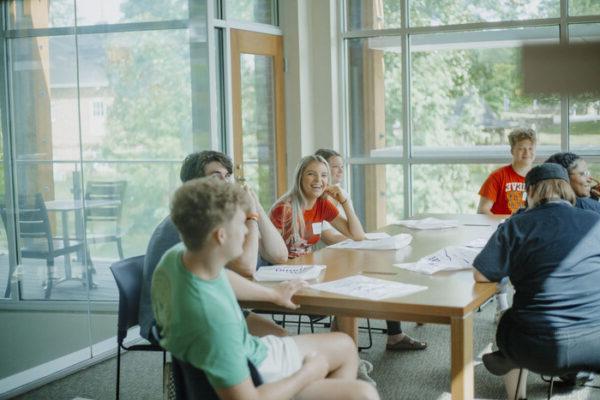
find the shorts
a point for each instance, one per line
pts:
(283, 358)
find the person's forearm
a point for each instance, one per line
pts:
(245, 289)
(479, 277)
(271, 245)
(484, 211)
(330, 237)
(354, 225)
(246, 263)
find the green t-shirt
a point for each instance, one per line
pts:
(201, 322)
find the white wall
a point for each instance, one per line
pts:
(311, 81)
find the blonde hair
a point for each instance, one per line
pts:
(201, 205)
(549, 189)
(521, 134)
(297, 199)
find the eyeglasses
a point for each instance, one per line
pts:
(583, 174)
(219, 175)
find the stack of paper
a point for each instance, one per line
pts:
(376, 235)
(368, 288)
(429, 223)
(451, 258)
(389, 243)
(288, 272)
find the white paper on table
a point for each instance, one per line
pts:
(429, 223)
(391, 243)
(288, 272)
(478, 243)
(376, 235)
(451, 258)
(368, 288)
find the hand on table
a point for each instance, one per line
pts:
(285, 291)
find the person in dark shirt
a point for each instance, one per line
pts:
(551, 253)
(580, 179)
(263, 243)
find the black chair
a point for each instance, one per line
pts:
(37, 241)
(103, 221)
(191, 383)
(549, 371)
(128, 275)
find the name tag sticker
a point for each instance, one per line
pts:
(316, 228)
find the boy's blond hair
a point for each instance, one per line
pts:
(521, 134)
(201, 205)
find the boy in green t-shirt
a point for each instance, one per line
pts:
(194, 301)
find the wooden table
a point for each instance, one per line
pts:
(450, 298)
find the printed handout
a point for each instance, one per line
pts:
(288, 272)
(368, 288)
(390, 243)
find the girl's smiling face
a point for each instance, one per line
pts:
(314, 180)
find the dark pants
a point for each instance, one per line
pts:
(393, 328)
(550, 353)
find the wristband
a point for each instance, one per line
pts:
(252, 216)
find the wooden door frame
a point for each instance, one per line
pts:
(268, 45)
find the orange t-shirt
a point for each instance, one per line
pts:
(281, 216)
(506, 189)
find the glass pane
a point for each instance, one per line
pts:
(135, 94)
(261, 11)
(5, 246)
(140, 207)
(466, 91)
(584, 7)
(454, 189)
(447, 12)
(373, 14)
(584, 109)
(378, 194)
(94, 12)
(375, 98)
(44, 91)
(258, 126)
(34, 14)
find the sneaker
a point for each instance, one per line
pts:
(364, 369)
(577, 378)
(498, 315)
(496, 363)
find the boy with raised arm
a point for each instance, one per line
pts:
(201, 323)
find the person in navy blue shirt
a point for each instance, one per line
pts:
(580, 179)
(551, 253)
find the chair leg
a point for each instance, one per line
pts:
(119, 248)
(11, 269)
(49, 277)
(370, 337)
(518, 384)
(118, 370)
(550, 387)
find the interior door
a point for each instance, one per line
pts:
(258, 119)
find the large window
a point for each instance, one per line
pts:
(104, 100)
(434, 87)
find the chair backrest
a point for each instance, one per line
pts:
(128, 275)
(110, 190)
(34, 224)
(192, 383)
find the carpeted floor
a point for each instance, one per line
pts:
(399, 375)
